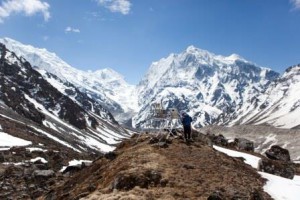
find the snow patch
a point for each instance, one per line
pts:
(7, 140)
(43, 160)
(281, 188)
(251, 160)
(75, 163)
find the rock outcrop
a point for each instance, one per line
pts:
(278, 153)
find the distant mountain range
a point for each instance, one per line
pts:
(213, 89)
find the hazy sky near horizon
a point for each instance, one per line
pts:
(128, 35)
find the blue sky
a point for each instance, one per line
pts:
(128, 35)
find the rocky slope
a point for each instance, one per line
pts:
(106, 86)
(30, 154)
(45, 128)
(141, 168)
(75, 119)
(279, 105)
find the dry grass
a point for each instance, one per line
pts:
(192, 171)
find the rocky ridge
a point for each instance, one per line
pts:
(146, 167)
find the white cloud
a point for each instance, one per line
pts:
(122, 6)
(296, 3)
(28, 7)
(70, 29)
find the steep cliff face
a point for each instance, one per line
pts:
(207, 86)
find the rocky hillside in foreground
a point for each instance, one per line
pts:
(144, 168)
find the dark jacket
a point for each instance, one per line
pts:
(186, 120)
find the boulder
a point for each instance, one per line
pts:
(43, 173)
(244, 144)
(278, 153)
(110, 155)
(219, 140)
(72, 169)
(278, 168)
(202, 138)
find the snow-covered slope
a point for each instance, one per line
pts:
(205, 85)
(279, 105)
(105, 86)
(62, 113)
(277, 187)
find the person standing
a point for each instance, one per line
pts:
(186, 122)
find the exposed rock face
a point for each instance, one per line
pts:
(278, 153)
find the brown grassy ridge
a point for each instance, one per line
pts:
(142, 170)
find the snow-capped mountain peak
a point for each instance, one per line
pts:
(105, 86)
(208, 57)
(38, 56)
(108, 75)
(234, 57)
(202, 83)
